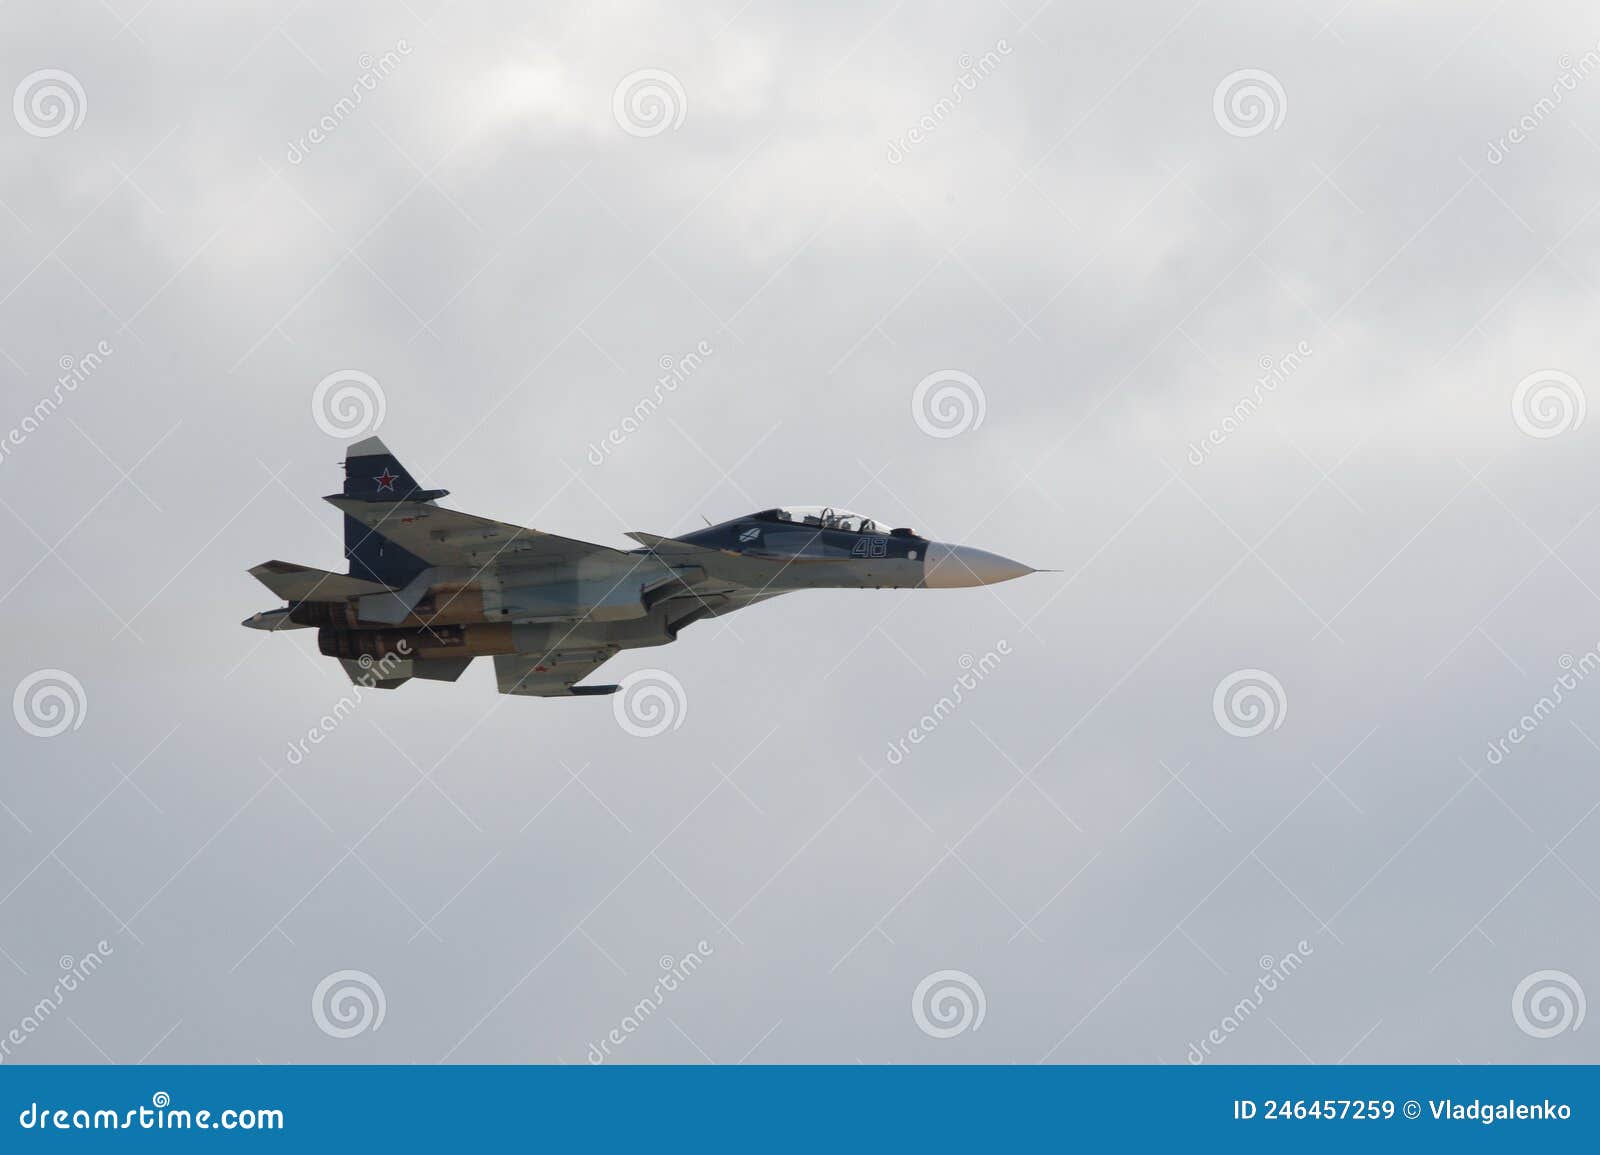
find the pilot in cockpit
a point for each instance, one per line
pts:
(828, 518)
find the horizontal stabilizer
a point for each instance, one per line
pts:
(363, 675)
(439, 669)
(302, 583)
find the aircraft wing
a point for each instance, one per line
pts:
(448, 537)
(551, 675)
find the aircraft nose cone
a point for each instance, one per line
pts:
(952, 566)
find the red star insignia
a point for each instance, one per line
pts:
(386, 480)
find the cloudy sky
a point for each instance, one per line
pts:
(1270, 326)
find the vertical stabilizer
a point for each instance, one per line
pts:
(372, 473)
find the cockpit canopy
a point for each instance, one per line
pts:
(826, 517)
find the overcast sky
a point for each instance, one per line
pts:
(1270, 326)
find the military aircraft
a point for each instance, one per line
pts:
(429, 588)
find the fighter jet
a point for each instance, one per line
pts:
(430, 589)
